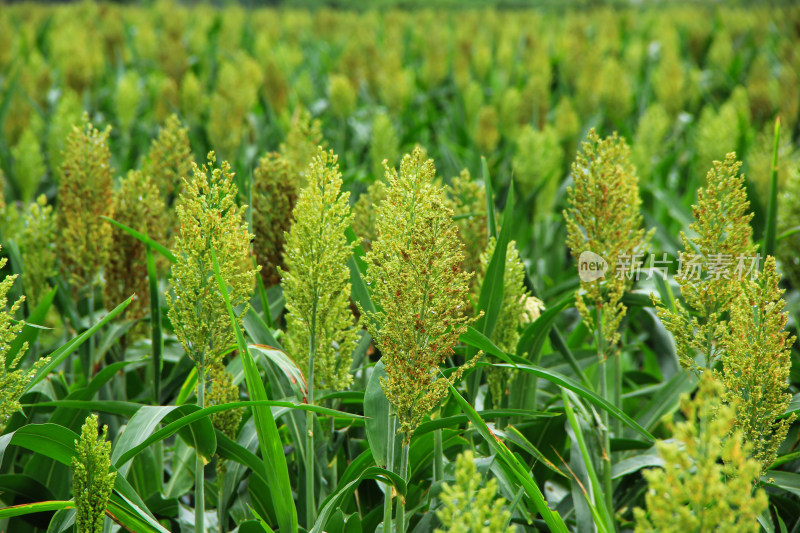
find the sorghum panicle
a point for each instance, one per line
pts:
(469, 505)
(92, 477)
(316, 284)
(209, 220)
(84, 195)
(137, 204)
(275, 185)
(603, 217)
(415, 275)
(756, 362)
(722, 251)
(694, 490)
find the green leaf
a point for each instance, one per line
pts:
(487, 183)
(59, 355)
(493, 287)
(532, 339)
(359, 290)
(156, 337)
(268, 436)
(381, 424)
(520, 471)
(788, 481)
(593, 398)
(334, 500)
(38, 507)
(147, 241)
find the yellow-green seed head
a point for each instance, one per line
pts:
(209, 220)
(84, 195)
(707, 479)
(470, 505)
(138, 205)
(316, 284)
(603, 218)
(415, 276)
(92, 477)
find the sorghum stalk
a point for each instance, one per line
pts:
(199, 474)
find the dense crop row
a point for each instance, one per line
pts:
(446, 270)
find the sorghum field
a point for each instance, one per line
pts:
(391, 268)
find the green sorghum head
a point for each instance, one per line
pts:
(537, 166)
(38, 249)
(513, 314)
(126, 99)
(29, 165)
(384, 144)
(209, 220)
(709, 260)
(13, 380)
(92, 477)
(467, 199)
(707, 480)
(415, 277)
(275, 185)
(66, 115)
(169, 160)
(649, 144)
(316, 283)
(84, 195)
(470, 505)
(603, 218)
(756, 361)
(139, 205)
(365, 217)
(342, 95)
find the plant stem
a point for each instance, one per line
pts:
(199, 475)
(618, 393)
(400, 518)
(438, 460)
(310, 451)
(606, 458)
(387, 495)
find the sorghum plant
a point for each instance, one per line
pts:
(513, 313)
(721, 252)
(169, 162)
(468, 507)
(37, 246)
(320, 328)
(365, 218)
(210, 221)
(467, 198)
(84, 195)
(756, 363)
(92, 477)
(12, 382)
(603, 218)
(694, 491)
